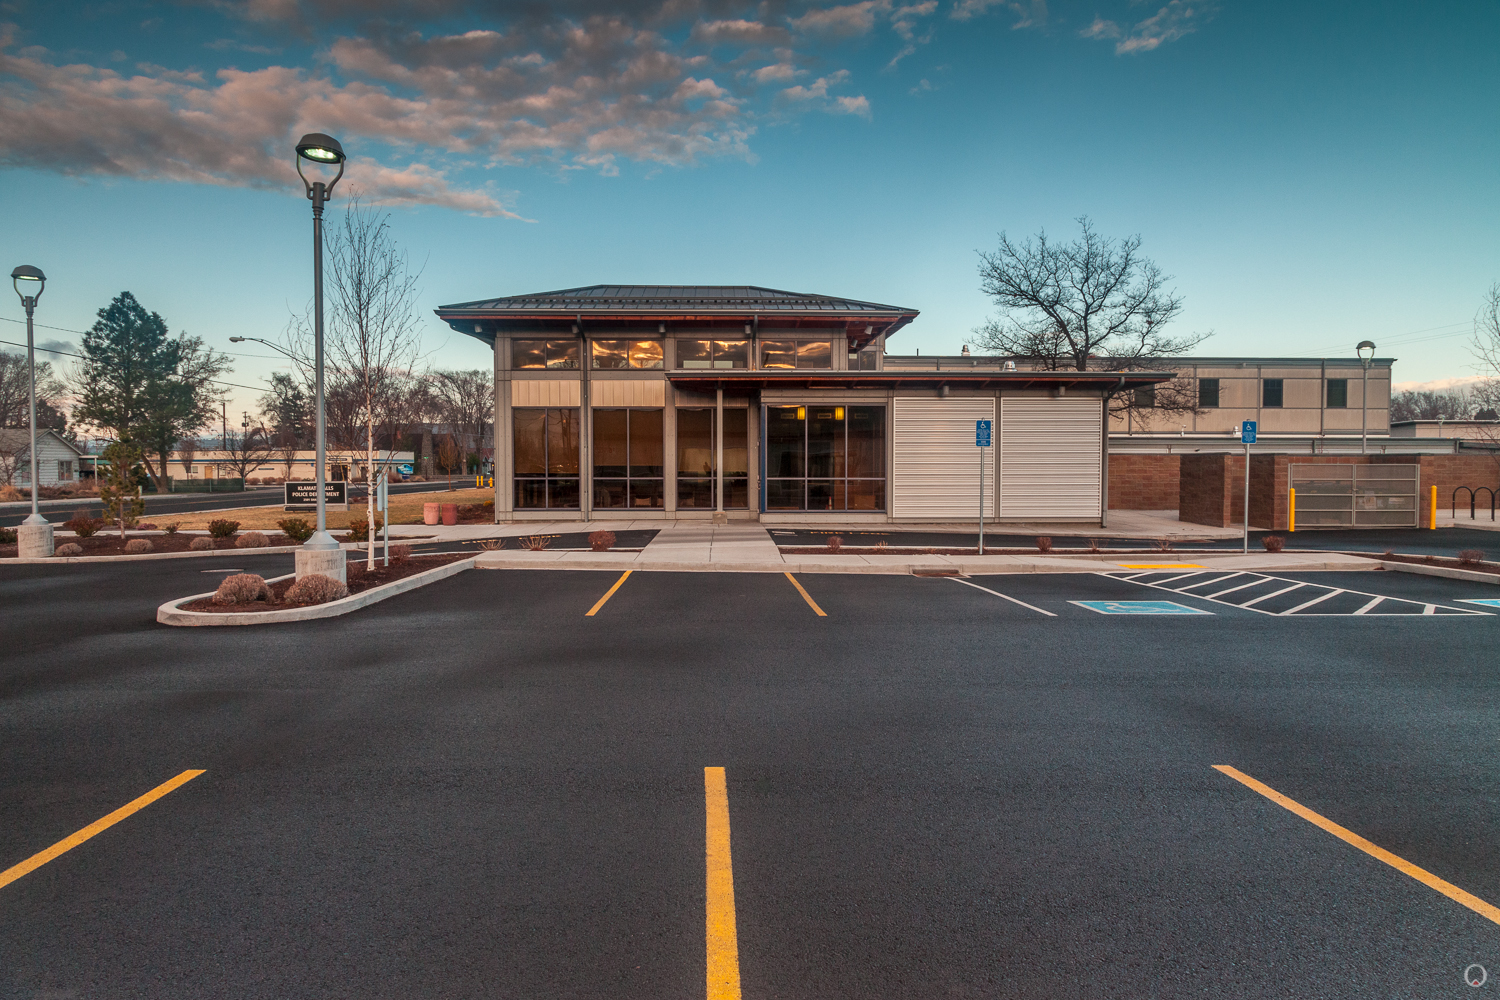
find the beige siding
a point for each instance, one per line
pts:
(544, 392)
(627, 392)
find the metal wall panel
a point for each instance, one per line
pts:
(934, 462)
(1050, 458)
(544, 392)
(627, 392)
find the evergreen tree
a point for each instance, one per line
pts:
(121, 491)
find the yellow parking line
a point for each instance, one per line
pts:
(36, 861)
(1428, 879)
(807, 597)
(607, 595)
(723, 942)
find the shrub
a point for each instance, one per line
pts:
(242, 588)
(1044, 544)
(1389, 553)
(9, 494)
(82, 525)
(1471, 557)
(359, 531)
(7, 536)
(882, 545)
(1429, 559)
(601, 541)
(298, 529)
(221, 528)
(535, 543)
(1163, 545)
(400, 554)
(491, 544)
(201, 544)
(68, 549)
(137, 546)
(1093, 545)
(251, 540)
(1273, 543)
(835, 542)
(315, 588)
(169, 529)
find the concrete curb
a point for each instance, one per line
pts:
(1452, 574)
(976, 565)
(170, 613)
(267, 550)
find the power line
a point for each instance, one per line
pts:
(70, 354)
(82, 333)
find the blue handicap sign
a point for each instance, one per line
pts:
(1140, 608)
(982, 433)
(1247, 431)
(1489, 602)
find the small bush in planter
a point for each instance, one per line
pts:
(1163, 545)
(359, 531)
(251, 540)
(400, 554)
(68, 549)
(1093, 545)
(138, 546)
(1273, 543)
(82, 525)
(7, 536)
(242, 588)
(222, 528)
(201, 544)
(169, 529)
(1471, 557)
(1044, 544)
(601, 541)
(315, 588)
(535, 543)
(298, 529)
(835, 542)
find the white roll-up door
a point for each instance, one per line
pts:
(1050, 458)
(935, 463)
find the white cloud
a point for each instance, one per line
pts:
(1176, 19)
(738, 32)
(1029, 13)
(841, 22)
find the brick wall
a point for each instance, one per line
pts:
(1143, 482)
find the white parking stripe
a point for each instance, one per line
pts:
(997, 593)
(1180, 576)
(1242, 586)
(1315, 600)
(1367, 607)
(1210, 583)
(1430, 609)
(1267, 597)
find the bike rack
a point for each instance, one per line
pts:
(1473, 496)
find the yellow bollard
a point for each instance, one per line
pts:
(1432, 525)
(1291, 511)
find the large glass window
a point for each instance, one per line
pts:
(695, 458)
(796, 354)
(544, 354)
(616, 354)
(628, 464)
(546, 457)
(713, 354)
(825, 457)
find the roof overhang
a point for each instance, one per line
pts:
(743, 380)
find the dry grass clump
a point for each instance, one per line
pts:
(1044, 544)
(1163, 545)
(138, 546)
(491, 544)
(400, 554)
(601, 541)
(835, 542)
(9, 494)
(251, 540)
(68, 549)
(242, 588)
(535, 543)
(1273, 543)
(1093, 545)
(201, 544)
(315, 588)
(1471, 557)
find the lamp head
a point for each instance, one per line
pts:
(236, 340)
(28, 281)
(320, 148)
(1366, 350)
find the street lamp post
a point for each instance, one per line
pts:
(35, 534)
(320, 553)
(1366, 352)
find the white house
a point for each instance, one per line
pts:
(57, 458)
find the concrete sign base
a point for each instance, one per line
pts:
(328, 562)
(35, 541)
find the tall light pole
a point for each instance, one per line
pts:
(322, 552)
(1366, 352)
(35, 536)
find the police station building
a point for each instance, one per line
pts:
(739, 402)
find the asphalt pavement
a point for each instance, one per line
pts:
(936, 788)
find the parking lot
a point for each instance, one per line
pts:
(504, 785)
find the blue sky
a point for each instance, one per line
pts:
(1312, 174)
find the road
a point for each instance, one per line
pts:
(57, 511)
(933, 790)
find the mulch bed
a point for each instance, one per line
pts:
(1476, 567)
(112, 545)
(894, 550)
(359, 580)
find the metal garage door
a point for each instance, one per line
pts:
(935, 465)
(1050, 458)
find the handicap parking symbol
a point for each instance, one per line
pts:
(1489, 602)
(1139, 608)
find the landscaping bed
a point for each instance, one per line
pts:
(1472, 565)
(359, 580)
(905, 550)
(113, 545)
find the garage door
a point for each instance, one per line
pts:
(1050, 458)
(935, 464)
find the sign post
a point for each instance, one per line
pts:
(383, 502)
(1247, 435)
(982, 441)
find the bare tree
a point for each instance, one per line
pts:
(373, 333)
(1424, 404)
(245, 450)
(15, 399)
(1093, 304)
(187, 450)
(286, 445)
(1486, 349)
(466, 402)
